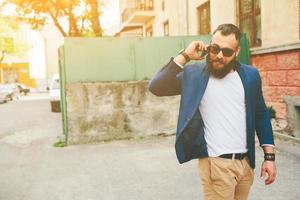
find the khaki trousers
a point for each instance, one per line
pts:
(225, 179)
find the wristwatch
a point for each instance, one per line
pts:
(269, 157)
(186, 57)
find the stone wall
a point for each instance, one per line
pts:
(118, 110)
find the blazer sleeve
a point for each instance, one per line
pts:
(263, 125)
(167, 81)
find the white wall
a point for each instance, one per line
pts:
(222, 12)
(280, 22)
(161, 17)
(53, 40)
(193, 18)
(34, 55)
(175, 13)
(280, 19)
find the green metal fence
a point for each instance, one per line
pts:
(120, 59)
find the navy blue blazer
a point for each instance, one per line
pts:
(191, 83)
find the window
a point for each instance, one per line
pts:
(166, 28)
(149, 4)
(203, 12)
(146, 4)
(250, 20)
(149, 31)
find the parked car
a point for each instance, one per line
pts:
(3, 94)
(54, 93)
(11, 89)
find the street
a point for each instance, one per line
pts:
(32, 169)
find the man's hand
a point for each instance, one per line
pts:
(192, 51)
(268, 169)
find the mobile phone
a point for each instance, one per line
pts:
(204, 53)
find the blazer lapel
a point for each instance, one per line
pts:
(193, 93)
(248, 100)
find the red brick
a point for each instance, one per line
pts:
(293, 78)
(280, 108)
(276, 78)
(254, 59)
(276, 94)
(267, 93)
(263, 76)
(288, 60)
(265, 62)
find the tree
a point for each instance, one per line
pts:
(9, 43)
(82, 16)
(2, 56)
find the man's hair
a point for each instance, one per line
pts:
(227, 29)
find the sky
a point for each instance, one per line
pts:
(110, 18)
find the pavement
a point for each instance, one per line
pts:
(145, 169)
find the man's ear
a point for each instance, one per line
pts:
(238, 51)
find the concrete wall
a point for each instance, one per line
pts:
(106, 111)
(280, 22)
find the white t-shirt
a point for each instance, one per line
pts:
(224, 115)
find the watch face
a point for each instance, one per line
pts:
(182, 50)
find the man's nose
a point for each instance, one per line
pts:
(220, 54)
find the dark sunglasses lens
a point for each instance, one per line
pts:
(227, 52)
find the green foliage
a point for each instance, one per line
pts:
(272, 112)
(60, 144)
(7, 44)
(82, 15)
(11, 41)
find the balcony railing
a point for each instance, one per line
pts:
(128, 12)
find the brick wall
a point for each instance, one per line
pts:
(280, 72)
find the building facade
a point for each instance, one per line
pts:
(272, 27)
(38, 60)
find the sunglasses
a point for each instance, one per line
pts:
(215, 49)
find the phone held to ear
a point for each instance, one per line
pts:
(203, 53)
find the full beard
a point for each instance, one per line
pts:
(220, 73)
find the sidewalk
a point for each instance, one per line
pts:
(122, 170)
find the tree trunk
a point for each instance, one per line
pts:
(73, 29)
(59, 27)
(2, 56)
(95, 17)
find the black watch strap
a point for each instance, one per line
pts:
(186, 57)
(269, 157)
